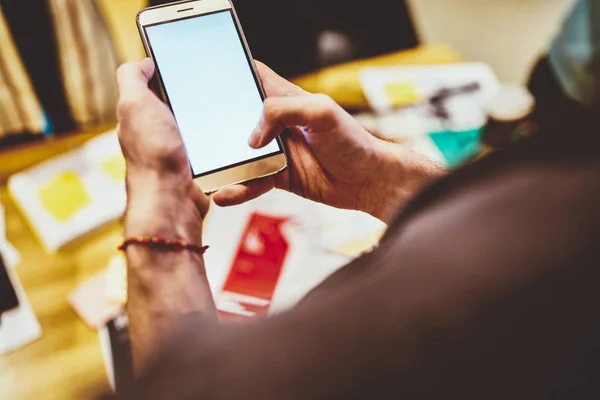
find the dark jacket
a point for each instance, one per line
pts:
(487, 286)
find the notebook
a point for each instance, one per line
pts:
(72, 195)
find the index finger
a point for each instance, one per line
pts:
(275, 85)
(317, 112)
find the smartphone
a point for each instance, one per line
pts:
(207, 76)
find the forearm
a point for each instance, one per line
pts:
(163, 285)
(403, 174)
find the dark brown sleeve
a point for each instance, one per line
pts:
(489, 289)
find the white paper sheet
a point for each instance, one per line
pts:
(19, 326)
(9, 253)
(105, 196)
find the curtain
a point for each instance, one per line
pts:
(57, 65)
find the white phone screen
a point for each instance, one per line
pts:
(211, 89)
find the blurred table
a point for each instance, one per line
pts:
(66, 363)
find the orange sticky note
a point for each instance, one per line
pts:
(402, 94)
(115, 167)
(64, 196)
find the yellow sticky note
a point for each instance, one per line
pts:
(357, 247)
(64, 196)
(402, 94)
(115, 167)
(116, 280)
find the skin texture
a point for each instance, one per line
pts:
(333, 160)
(162, 201)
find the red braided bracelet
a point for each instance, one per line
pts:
(176, 244)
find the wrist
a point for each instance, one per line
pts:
(403, 174)
(142, 182)
(163, 208)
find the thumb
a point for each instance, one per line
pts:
(241, 193)
(133, 77)
(200, 199)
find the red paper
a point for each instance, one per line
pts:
(256, 269)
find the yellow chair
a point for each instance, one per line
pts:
(342, 82)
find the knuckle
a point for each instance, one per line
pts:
(324, 108)
(127, 67)
(325, 104)
(270, 107)
(127, 105)
(323, 99)
(123, 70)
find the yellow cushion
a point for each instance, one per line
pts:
(120, 17)
(342, 82)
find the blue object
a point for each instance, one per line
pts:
(49, 128)
(575, 53)
(458, 147)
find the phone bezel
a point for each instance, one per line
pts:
(244, 171)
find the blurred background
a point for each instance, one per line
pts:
(452, 79)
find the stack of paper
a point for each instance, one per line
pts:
(321, 239)
(437, 110)
(72, 195)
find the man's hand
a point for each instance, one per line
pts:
(162, 200)
(333, 159)
(157, 163)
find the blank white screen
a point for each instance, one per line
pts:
(211, 89)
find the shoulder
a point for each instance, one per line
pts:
(538, 197)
